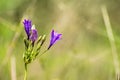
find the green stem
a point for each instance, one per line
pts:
(25, 76)
(43, 52)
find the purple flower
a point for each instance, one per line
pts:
(30, 30)
(54, 37)
(34, 34)
(27, 26)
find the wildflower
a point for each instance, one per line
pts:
(27, 26)
(32, 42)
(34, 34)
(54, 37)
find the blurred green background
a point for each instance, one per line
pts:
(84, 53)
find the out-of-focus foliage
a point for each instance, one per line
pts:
(83, 53)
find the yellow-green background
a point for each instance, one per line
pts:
(83, 53)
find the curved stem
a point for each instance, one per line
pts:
(25, 76)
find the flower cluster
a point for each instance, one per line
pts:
(33, 43)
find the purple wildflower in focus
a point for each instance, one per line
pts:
(34, 34)
(54, 37)
(27, 26)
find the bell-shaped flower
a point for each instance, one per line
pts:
(54, 37)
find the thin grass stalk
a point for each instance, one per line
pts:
(111, 40)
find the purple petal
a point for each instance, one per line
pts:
(27, 26)
(52, 36)
(34, 34)
(58, 37)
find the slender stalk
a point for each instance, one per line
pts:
(13, 68)
(112, 41)
(43, 52)
(25, 76)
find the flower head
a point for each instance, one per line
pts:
(33, 44)
(27, 26)
(54, 37)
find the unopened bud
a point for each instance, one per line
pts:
(43, 40)
(26, 42)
